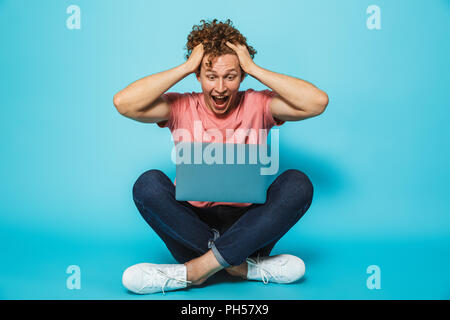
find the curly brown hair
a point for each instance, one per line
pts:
(214, 35)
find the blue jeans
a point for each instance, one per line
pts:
(232, 233)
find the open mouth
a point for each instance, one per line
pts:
(220, 100)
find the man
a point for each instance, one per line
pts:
(205, 237)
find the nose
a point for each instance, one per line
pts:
(221, 88)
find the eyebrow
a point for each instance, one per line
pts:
(228, 71)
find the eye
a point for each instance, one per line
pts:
(211, 77)
(231, 78)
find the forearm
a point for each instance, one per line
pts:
(300, 94)
(140, 95)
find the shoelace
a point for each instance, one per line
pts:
(168, 278)
(263, 272)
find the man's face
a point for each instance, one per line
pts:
(220, 83)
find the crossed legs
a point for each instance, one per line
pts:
(199, 246)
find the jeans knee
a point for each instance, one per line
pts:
(147, 186)
(299, 185)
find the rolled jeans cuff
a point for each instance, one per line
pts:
(219, 257)
(216, 252)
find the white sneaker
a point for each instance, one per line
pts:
(282, 268)
(143, 278)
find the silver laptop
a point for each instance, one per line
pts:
(221, 172)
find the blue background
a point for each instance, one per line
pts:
(378, 157)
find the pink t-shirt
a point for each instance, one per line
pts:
(190, 112)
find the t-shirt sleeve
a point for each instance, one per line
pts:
(269, 120)
(175, 101)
